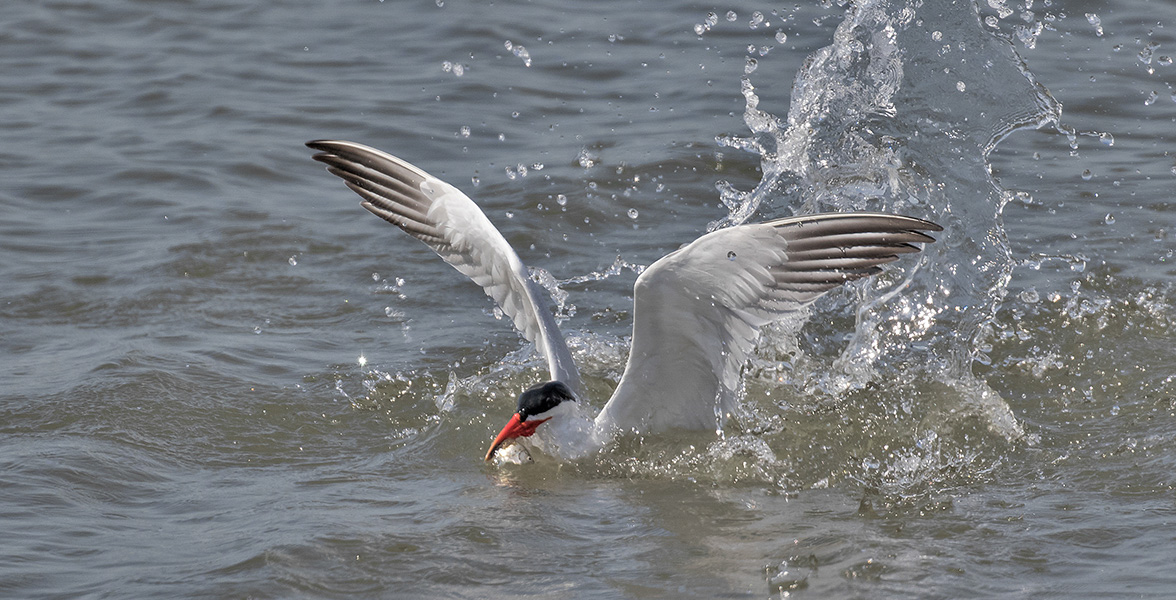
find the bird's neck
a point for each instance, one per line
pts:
(571, 434)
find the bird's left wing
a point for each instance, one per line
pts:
(447, 221)
(697, 311)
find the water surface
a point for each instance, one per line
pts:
(225, 379)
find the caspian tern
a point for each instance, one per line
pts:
(696, 311)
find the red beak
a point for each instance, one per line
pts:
(516, 428)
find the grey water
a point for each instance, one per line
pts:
(223, 378)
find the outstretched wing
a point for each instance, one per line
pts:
(446, 220)
(697, 311)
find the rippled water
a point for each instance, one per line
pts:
(225, 379)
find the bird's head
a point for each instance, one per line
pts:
(537, 405)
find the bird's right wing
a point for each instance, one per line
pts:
(697, 311)
(446, 220)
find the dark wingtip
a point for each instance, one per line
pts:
(923, 224)
(926, 225)
(925, 239)
(932, 226)
(331, 146)
(325, 151)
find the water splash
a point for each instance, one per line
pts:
(618, 266)
(899, 114)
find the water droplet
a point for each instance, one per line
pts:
(731, 255)
(587, 159)
(1096, 22)
(375, 276)
(961, 86)
(781, 37)
(751, 66)
(1145, 55)
(1001, 7)
(293, 261)
(1109, 219)
(731, 16)
(1107, 139)
(1151, 98)
(699, 29)
(464, 131)
(1115, 410)
(937, 35)
(1029, 296)
(562, 200)
(520, 51)
(1087, 175)
(632, 213)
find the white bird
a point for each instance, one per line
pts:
(696, 311)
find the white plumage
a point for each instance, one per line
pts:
(697, 311)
